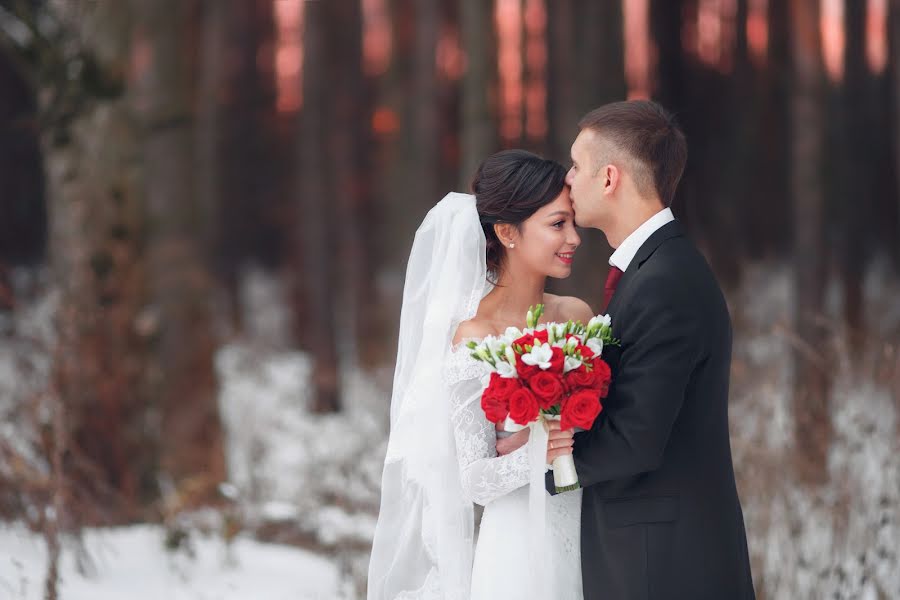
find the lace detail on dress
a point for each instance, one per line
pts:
(460, 365)
(564, 512)
(484, 475)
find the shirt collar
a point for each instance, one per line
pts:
(624, 254)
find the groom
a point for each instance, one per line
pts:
(661, 516)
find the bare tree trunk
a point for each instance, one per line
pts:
(665, 28)
(349, 145)
(858, 178)
(479, 127)
(894, 37)
(562, 105)
(811, 385)
(425, 104)
(91, 163)
(602, 65)
(316, 322)
(774, 203)
(211, 174)
(178, 262)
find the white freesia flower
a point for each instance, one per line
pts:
(571, 364)
(540, 355)
(512, 333)
(504, 369)
(510, 355)
(572, 343)
(596, 324)
(596, 346)
(557, 331)
(495, 345)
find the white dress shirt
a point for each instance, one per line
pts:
(624, 254)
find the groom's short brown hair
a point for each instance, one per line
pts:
(647, 134)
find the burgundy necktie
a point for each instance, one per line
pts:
(612, 280)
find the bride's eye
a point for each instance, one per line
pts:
(559, 224)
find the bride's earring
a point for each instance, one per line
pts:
(512, 245)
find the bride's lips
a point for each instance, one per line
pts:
(565, 257)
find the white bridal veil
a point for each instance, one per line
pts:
(423, 542)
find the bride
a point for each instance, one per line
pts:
(477, 264)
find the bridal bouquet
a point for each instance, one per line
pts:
(551, 371)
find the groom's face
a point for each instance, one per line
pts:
(586, 181)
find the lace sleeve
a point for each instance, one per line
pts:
(484, 475)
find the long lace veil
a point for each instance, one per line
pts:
(423, 542)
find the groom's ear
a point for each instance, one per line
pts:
(610, 177)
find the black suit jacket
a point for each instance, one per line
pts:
(661, 518)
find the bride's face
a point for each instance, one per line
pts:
(547, 240)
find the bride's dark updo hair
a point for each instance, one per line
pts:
(509, 187)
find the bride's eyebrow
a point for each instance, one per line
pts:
(565, 213)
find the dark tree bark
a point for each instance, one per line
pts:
(316, 320)
(774, 200)
(665, 29)
(23, 212)
(855, 212)
(403, 205)
(426, 157)
(811, 383)
(179, 264)
(479, 128)
(350, 139)
(601, 68)
(894, 95)
(562, 102)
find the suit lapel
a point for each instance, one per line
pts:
(668, 231)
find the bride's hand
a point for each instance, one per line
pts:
(512, 443)
(560, 442)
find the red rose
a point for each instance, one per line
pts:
(581, 378)
(557, 361)
(523, 406)
(547, 387)
(602, 376)
(495, 408)
(580, 410)
(525, 340)
(532, 339)
(525, 372)
(503, 387)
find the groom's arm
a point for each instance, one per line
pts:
(663, 330)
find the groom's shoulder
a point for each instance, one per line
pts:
(677, 253)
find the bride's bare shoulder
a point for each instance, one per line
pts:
(570, 308)
(471, 329)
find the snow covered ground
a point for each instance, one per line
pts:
(132, 563)
(311, 483)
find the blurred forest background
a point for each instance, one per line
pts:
(206, 208)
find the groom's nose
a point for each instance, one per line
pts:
(569, 178)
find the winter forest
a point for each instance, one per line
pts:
(206, 208)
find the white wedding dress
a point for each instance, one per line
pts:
(442, 455)
(500, 484)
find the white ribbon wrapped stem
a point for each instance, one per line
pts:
(565, 477)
